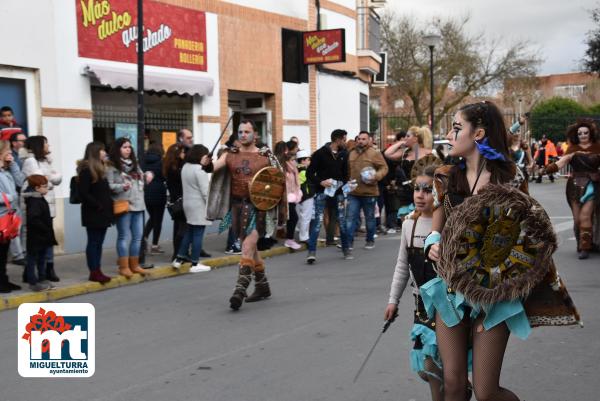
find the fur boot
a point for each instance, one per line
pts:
(585, 242)
(261, 287)
(243, 281)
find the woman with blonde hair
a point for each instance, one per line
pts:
(406, 151)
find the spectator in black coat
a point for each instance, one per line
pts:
(172, 166)
(96, 206)
(155, 195)
(40, 234)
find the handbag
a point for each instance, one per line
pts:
(120, 207)
(74, 197)
(175, 209)
(10, 223)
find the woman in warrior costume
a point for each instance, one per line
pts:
(479, 137)
(520, 154)
(406, 152)
(583, 155)
(424, 358)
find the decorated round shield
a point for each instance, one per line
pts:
(267, 187)
(496, 246)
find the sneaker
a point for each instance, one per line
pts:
(339, 246)
(331, 243)
(290, 243)
(369, 245)
(156, 250)
(199, 268)
(177, 263)
(311, 258)
(204, 254)
(391, 231)
(348, 255)
(234, 251)
(49, 284)
(20, 262)
(37, 287)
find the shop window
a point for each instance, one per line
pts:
(294, 69)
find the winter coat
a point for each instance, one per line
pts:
(174, 184)
(195, 194)
(292, 182)
(32, 166)
(135, 193)
(96, 202)
(40, 234)
(155, 193)
(325, 164)
(359, 159)
(7, 187)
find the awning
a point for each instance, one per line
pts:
(125, 76)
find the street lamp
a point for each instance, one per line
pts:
(431, 40)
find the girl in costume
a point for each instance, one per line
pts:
(424, 358)
(583, 155)
(475, 304)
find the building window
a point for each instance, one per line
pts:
(294, 69)
(364, 112)
(570, 91)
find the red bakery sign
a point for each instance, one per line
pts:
(326, 46)
(174, 37)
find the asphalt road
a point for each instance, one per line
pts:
(176, 339)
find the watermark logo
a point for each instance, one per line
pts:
(57, 340)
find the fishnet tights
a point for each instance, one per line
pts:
(488, 353)
(434, 384)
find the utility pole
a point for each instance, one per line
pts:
(140, 88)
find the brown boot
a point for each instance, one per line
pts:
(243, 281)
(134, 265)
(261, 287)
(585, 242)
(124, 267)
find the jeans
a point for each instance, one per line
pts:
(367, 204)
(129, 227)
(93, 250)
(320, 200)
(36, 259)
(194, 236)
(179, 230)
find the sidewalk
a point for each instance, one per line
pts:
(73, 272)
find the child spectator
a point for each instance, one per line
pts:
(40, 235)
(305, 207)
(8, 124)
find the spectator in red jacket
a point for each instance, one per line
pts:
(8, 124)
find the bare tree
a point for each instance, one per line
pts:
(465, 65)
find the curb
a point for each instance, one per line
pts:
(157, 273)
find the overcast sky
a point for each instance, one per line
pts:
(556, 27)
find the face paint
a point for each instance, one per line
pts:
(421, 186)
(456, 127)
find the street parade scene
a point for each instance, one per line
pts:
(279, 200)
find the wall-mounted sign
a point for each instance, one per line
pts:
(173, 36)
(326, 46)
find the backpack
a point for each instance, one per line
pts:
(10, 223)
(74, 198)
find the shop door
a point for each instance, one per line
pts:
(263, 124)
(12, 94)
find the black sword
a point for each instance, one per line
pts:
(385, 327)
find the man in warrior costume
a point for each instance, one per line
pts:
(229, 200)
(583, 155)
